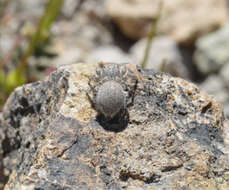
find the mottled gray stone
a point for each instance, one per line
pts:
(226, 109)
(2, 173)
(172, 139)
(69, 7)
(224, 73)
(34, 8)
(164, 53)
(6, 43)
(212, 51)
(215, 86)
(108, 54)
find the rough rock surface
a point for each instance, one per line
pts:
(2, 177)
(183, 20)
(164, 53)
(172, 137)
(226, 133)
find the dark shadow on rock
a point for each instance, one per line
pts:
(116, 124)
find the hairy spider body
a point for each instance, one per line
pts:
(111, 90)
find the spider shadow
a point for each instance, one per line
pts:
(117, 124)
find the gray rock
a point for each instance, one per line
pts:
(163, 51)
(33, 8)
(96, 8)
(212, 51)
(82, 38)
(2, 173)
(171, 138)
(69, 7)
(215, 86)
(109, 54)
(226, 109)
(226, 133)
(72, 55)
(224, 73)
(6, 44)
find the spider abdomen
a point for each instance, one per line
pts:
(110, 99)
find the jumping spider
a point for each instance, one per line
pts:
(112, 91)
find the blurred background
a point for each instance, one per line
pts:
(186, 38)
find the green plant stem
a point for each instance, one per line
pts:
(151, 35)
(17, 76)
(42, 32)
